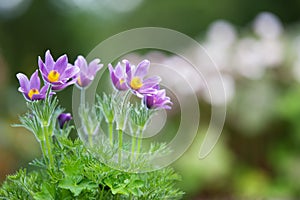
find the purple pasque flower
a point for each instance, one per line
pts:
(59, 73)
(87, 71)
(136, 82)
(63, 118)
(118, 76)
(31, 89)
(158, 100)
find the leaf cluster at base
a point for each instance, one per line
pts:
(77, 174)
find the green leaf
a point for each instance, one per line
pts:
(48, 192)
(75, 188)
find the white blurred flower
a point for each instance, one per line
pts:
(267, 25)
(187, 73)
(220, 39)
(272, 51)
(214, 94)
(248, 58)
(222, 33)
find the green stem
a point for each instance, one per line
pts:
(82, 97)
(120, 144)
(90, 138)
(48, 145)
(48, 94)
(110, 131)
(133, 141)
(102, 190)
(139, 139)
(44, 151)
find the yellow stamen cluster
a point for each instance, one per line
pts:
(32, 92)
(136, 83)
(121, 80)
(79, 81)
(53, 76)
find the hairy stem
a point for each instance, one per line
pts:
(48, 145)
(120, 144)
(82, 97)
(90, 139)
(139, 139)
(44, 150)
(110, 131)
(133, 141)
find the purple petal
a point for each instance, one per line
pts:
(35, 80)
(158, 101)
(94, 67)
(142, 69)
(63, 118)
(112, 74)
(26, 97)
(49, 62)
(147, 91)
(128, 69)
(122, 86)
(151, 82)
(70, 72)
(63, 86)
(21, 90)
(44, 89)
(119, 71)
(43, 69)
(84, 80)
(24, 82)
(38, 97)
(61, 64)
(81, 63)
(110, 68)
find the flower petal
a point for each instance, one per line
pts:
(112, 74)
(49, 62)
(62, 86)
(94, 67)
(151, 82)
(81, 63)
(128, 70)
(64, 118)
(44, 89)
(85, 80)
(119, 72)
(43, 69)
(142, 69)
(24, 82)
(70, 72)
(61, 64)
(35, 80)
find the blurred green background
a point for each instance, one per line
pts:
(258, 153)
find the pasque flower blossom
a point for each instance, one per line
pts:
(87, 71)
(59, 74)
(136, 82)
(119, 75)
(63, 118)
(31, 89)
(158, 100)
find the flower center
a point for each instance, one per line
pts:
(79, 81)
(32, 92)
(121, 80)
(154, 100)
(136, 83)
(53, 76)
